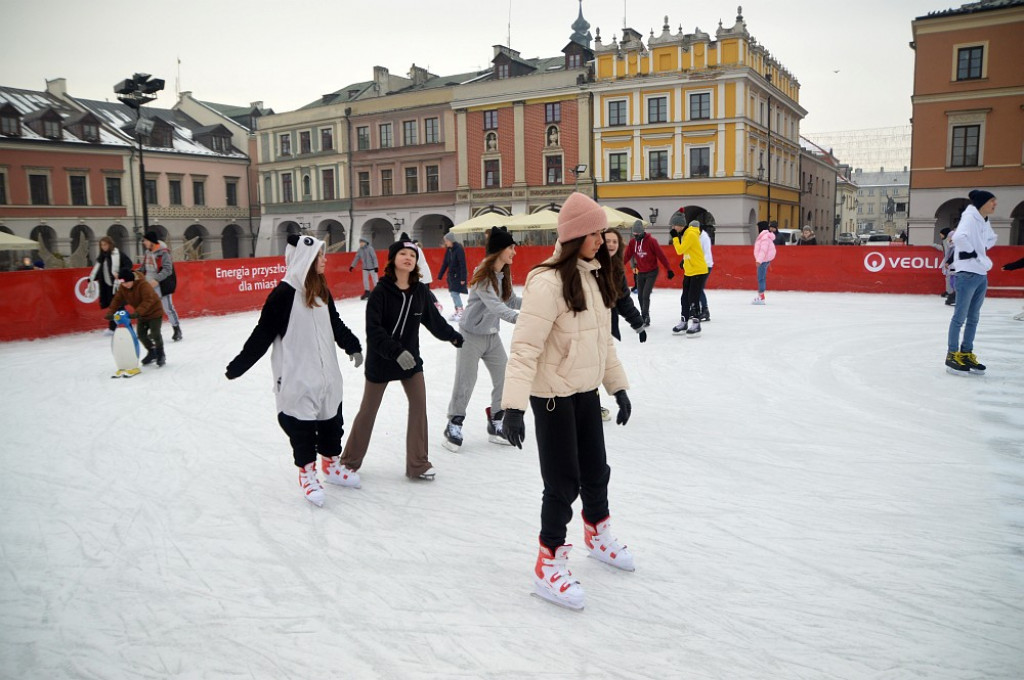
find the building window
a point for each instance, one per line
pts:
(286, 144)
(9, 126)
(198, 192)
(492, 173)
(364, 184)
(149, 188)
(431, 131)
(700, 106)
(657, 165)
(657, 109)
(490, 120)
(965, 146)
(968, 62)
(287, 194)
(326, 139)
(617, 113)
(618, 167)
(553, 169)
(231, 193)
(412, 181)
(39, 189)
(113, 190)
(700, 162)
(363, 138)
(575, 61)
(305, 144)
(79, 192)
(503, 71)
(385, 136)
(553, 112)
(327, 182)
(3, 188)
(409, 132)
(433, 183)
(90, 132)
(305, 187)
(51, 129)
(387, 186)
(174, 186)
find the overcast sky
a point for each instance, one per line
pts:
(852, 59)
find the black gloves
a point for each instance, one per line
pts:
(458, 340)
(231, 373)
(513, 428)
(641, 333)
(625, 408)
(671, 274)
(350, 268)
(682, 264)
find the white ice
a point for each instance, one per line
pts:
(807, 492)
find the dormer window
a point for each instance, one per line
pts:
(503, 71)
(10, 126)
(85, 126)
(91, 132)
(51, 129)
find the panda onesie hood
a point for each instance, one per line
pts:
(307, 377)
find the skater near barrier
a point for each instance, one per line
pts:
(491, 301)
(299, 320)
(561, 352)
(454, 265)
(764, 253)
(646, 251)
(142, 298)
(109, 262)
(368, 257)
(1011, 266)
(948, 266)
(971, 241)
(624, 306)
(394, 312)
(158, 268)
(695, 269)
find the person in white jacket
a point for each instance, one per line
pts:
(971, 241)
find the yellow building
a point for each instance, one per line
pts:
(712, 125)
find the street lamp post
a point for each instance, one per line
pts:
(133, 92)
(576, 172)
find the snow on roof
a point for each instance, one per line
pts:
(30, 101)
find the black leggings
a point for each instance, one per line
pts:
(570, 441)
(308, 437)
(693, 288)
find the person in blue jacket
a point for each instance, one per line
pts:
(454, 265)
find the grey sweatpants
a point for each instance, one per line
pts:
(467, 360)
(369, 275)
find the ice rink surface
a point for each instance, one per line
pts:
(807, 493)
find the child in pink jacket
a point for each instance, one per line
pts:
(764, 253)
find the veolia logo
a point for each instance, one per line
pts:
(876, 262)
(85, 292)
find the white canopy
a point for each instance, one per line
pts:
(12, 242)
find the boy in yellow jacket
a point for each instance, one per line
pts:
(695, 268)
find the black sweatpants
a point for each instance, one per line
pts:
(311, 436)
(570, 441)
(644, 285)
(693, 287)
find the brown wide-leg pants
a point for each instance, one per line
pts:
(416, 462)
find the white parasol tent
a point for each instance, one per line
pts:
(480, 223)
(12, 242)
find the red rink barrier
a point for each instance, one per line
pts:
(38, 304)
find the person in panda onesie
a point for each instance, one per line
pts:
(300, 321)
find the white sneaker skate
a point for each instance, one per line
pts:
(553, 581)
(605, 547)
(457, 316)
(336, 473)
(429, 475)
(311, 485)
(758, 300)
(693, 328)
(679, 328)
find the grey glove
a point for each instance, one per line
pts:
(356, 358)
(406, 360)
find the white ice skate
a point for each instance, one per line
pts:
(605, 547)
(336, 473)
(553, 581)
(311, 488)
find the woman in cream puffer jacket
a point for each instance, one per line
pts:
(561, 352)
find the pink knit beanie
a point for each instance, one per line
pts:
(581, 215)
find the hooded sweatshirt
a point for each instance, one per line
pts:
(972, 239)
(307, 378)
(367, 256)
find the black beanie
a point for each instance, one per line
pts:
(126, 274)
(980, 197)
(499, 240)
(398, 245)
(762, 226)
(151, 236)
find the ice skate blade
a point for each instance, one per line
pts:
(543, 593)
(498, 439)
(953, 371)
(451, 446)
(345, 484)
(610, 564)
(691, 336)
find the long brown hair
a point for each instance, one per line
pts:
(572, 286)
(616, 266)
(316, 286)
(485, 272)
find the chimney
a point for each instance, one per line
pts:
(418, 75)
(256, 105)
(501, 49)
(380, 80)
(58, 87)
